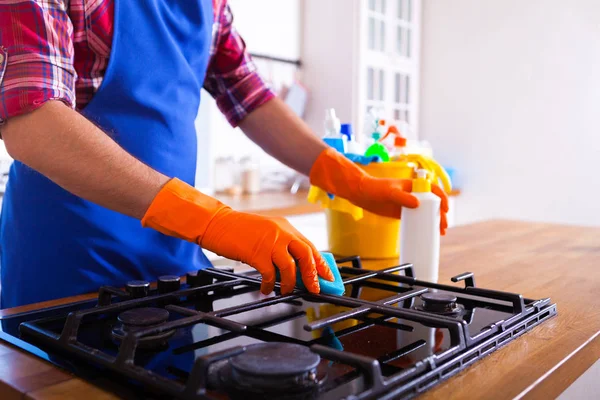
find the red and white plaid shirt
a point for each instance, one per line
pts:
(59, 49)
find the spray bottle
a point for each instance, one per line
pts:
(352, 145)
(333, 137)
(420, 231)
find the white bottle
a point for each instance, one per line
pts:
(354, 147)
(333, 137)
(420, 231)
(250, 176)
(333, 124)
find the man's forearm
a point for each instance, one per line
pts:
(282, 134)
(72, 152)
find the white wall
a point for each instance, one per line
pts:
(254, 20)
(269, 26)
(330, 49)
(511, 98)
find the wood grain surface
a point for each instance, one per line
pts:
(277, 204)
(536, 260)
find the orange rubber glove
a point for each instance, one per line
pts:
(181, 211)
(339, 176)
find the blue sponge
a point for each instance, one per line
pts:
(335, 288)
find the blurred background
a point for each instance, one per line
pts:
(504, 93)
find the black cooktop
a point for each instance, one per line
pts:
(217, 337)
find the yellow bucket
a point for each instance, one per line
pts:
(372, 236)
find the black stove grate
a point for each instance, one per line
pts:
(380, 380)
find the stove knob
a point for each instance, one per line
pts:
(138, 289)
(168, 283)
(198, 278)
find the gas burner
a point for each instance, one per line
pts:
(379, 358)
(142, 318)
(440, 303)
(268, 370)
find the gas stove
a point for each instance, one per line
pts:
(216, 337)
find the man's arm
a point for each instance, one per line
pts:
(71, 151)
(282, 134)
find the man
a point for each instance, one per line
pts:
(98, 101)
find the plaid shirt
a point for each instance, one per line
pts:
(59, 49)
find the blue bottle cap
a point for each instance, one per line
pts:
(347, 131)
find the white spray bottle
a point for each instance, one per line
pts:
(333, 137)
(420, 231)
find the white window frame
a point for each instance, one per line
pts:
(391, 63)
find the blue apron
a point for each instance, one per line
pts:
(54, 244)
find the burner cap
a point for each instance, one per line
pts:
(268, 370)
(140, 318)
(438, 298)
(275, 359)
(146, 316)
(440, 303)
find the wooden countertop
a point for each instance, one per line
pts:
(273, 204)
(536, 260)
(277, 204)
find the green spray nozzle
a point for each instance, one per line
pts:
(378, 149)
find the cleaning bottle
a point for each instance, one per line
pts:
(333, 137)
(352, 146)
(420, 231)
(388, 138)
(379, 150)
(399, 147)
(332, 123)
(394, 142)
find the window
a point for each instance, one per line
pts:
(391, 61)
(377, 6)
(375, 88)
(398, 87)
(399, 40)
(371, 33)
(381, 85)
(401, 104)
(377, 25)
(402, 88)
(404, 26)
(404, 11)
(370, 84)
(381, 35)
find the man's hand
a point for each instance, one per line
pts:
(386, 197)
(264, 243)
(335, 174)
